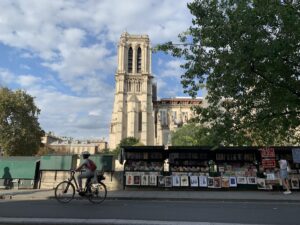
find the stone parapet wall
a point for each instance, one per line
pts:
(50, 179)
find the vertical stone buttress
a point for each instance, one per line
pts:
(132, 114)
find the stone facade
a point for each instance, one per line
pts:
(132, 114)
(70, 146)
(171, 113)
(136, 110)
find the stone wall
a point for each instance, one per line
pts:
(113, 180)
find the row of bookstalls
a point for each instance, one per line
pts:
(45, 171)
(209, 167)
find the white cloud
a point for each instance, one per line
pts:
(26, 81)
(71, 115)
(77, 42)
(6, 77)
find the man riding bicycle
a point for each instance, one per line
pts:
(89, 167)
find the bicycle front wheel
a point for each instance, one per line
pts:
(98, 193)
(64, 192)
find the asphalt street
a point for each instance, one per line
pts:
(158, 210)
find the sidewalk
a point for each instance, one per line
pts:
(195, 195)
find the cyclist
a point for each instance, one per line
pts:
(89, 167)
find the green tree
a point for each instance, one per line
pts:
(129, 141)
(246, 55)
(20, 132)
(193, 134)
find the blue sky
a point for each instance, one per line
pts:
(64, 54)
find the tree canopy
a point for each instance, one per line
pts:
(129, 141)
(247, 56)
(20, 132)
(193, 134)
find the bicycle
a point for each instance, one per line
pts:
(94, 192)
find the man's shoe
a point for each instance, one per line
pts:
(287, 192)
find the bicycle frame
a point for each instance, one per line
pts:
(72, 178)
(75, 181)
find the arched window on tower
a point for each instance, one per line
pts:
(139, 60)
(130, 55)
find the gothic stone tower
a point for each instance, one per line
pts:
(132, 114)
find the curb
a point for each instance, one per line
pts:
(51, 221)
(20, 197)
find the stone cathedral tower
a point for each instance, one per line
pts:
(132, 114)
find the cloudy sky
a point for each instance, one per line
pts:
(64, 54)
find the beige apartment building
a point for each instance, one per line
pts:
(136, 110)
(69, 146)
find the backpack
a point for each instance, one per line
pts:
(91, 165)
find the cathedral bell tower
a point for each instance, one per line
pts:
(132, 114)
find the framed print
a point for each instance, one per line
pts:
(210, 182)
(194, 181)
(217, 182)
(241, 180)
(136, 180)
(160, 181)
(261, 183)
(203, 181)
(129, 179)
(145, 180)
(294, 183)
(225, 182)
(168, 181)
(251, 180)
(152, 180)
(176, 181)
(184, 181)
(232, 182)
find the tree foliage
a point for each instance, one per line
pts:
(247, 55)
(129, 141)
(193, 134)
(20, 132)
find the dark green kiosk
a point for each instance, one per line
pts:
(19, 172)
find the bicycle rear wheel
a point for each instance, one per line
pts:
(98, 193)
(64, 192)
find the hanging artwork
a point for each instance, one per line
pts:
(184, 181)
(261, 183)
(194, 181)
(251, 180)
(294, 183)
(145, 180)
(203, 181)
(136, 180)
(129, 179)
(232, 182)
(160, 181)
(176, 181)
(225, 182)
(241, 180)
(217, 182)
(168, 181)
(152, 180)
(210, 182)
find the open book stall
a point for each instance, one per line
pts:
(143, 165)
(269, 172)
(206, 167)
